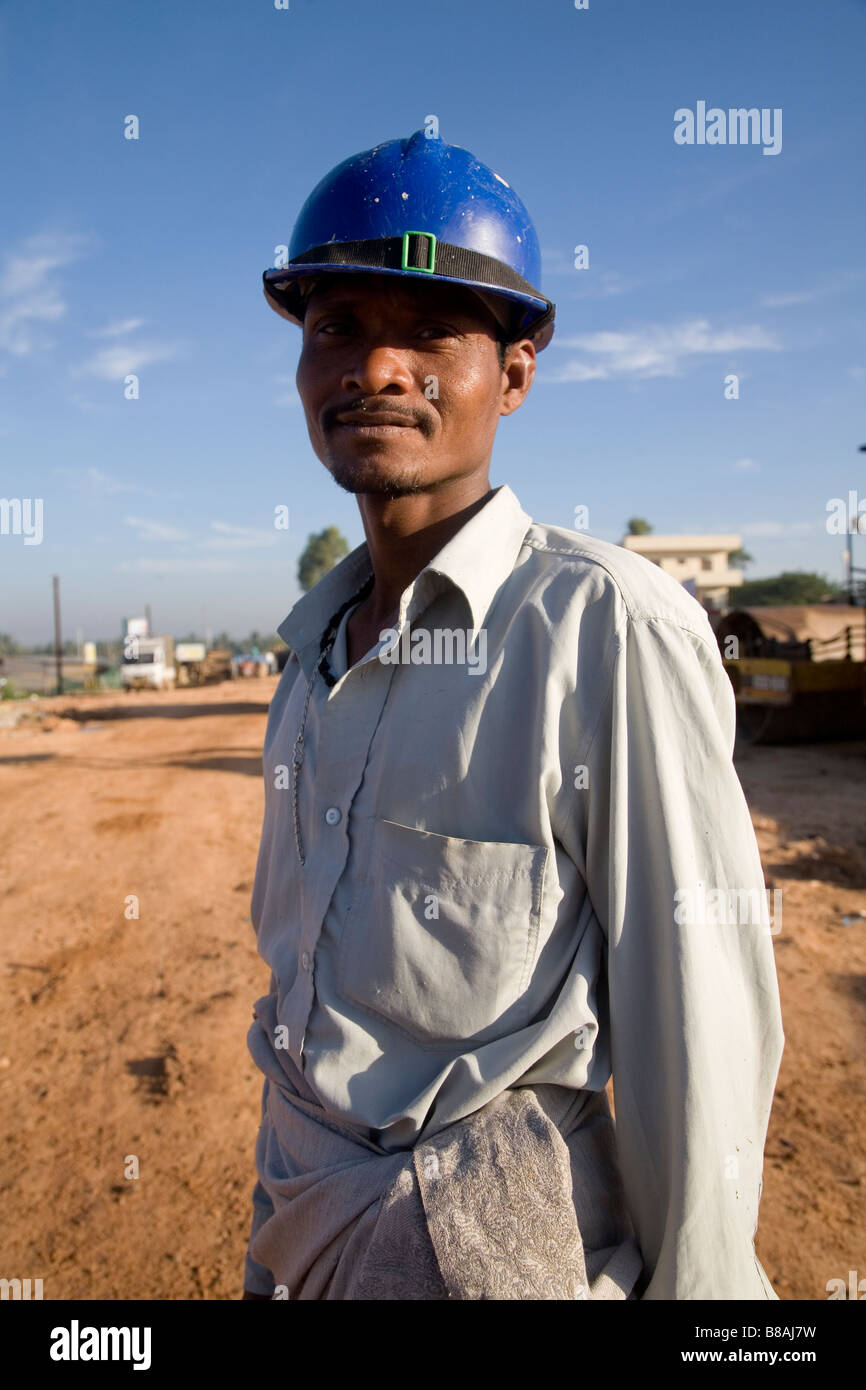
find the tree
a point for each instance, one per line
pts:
(265, 641)
(791, 587)
(320, 555)
(740, 558)
(8, 645)
(638, 527)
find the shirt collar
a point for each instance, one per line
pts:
(476, 560)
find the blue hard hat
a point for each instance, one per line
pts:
(419, 207)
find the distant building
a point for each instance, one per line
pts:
(700, 563)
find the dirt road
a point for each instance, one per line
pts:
(130, 830)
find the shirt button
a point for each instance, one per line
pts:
(333, 815)
(305, 961)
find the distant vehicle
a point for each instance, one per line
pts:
(198, 666)
(148, 663)
(188, 652)
(253, 663)
(798, 671)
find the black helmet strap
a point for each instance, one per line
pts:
(426, 255)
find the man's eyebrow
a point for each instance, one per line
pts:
(328, 301)
(333, 300)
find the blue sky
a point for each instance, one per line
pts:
(146, 256)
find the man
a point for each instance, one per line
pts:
(499, 796)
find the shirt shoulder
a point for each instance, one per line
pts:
(603, 571)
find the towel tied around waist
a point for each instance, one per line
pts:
(520, 1200)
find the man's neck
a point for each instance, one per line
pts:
(404, 533)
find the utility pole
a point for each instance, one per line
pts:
(149, 623)
(58, 645)
(853, 583)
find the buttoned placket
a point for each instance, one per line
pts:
(339, 714)
(322, 668)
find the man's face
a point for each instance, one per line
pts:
(401, 383)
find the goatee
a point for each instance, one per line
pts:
(367, 477)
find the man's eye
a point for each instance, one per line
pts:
(438, 330)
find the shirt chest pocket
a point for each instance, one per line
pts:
(442, 934)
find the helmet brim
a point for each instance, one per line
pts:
(283, 291)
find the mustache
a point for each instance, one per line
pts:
(421, 419)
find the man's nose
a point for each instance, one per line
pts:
(375, 369)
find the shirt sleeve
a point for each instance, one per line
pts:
(258, 1279)
(675, 878)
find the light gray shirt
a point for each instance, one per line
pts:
(531, 863)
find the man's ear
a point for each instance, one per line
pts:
(519, 373)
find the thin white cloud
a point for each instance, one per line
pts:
(579, 371)
(655, 350)
(833, 284)
(554, 261)
(176, 564)
(25, 271)
(603, 286)
(29, 292)
(747, 465)
(17, 320)
(126, 359)
(224, 535)
(695, 195)
(785, 301)
(777, 528)
(118, 329)
(150, 530)
(590, 283)
(104, 483)
(288, 395)
(94, 480)
(229, 537)
(82, 402)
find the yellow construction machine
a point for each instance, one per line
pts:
(798, 672)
